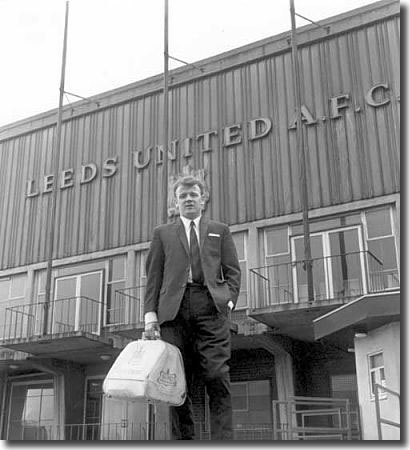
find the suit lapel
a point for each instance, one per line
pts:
(203, 230)
(182, 235)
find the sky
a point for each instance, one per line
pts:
(112, 43)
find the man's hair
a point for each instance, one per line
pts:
(189, 181)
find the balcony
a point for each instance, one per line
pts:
(279, 295)
(57, 329)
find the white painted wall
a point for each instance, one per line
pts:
(387, 340)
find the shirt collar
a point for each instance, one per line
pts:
(187, 222)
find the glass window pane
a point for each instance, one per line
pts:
(116, 303)
(244, 277)
(41, 280)
(344, 241)
(31, 411)
(90, 291)
(259, 395)
(4, 289)
(91, 285)
(376, 360)
(385, 251)
(318, 268)
(273, 260)
(65, 288)
(47, 405)
(117, 268)
(277, 241)
(239, 396)
(18, 285)
(239, 240)
(378, 223)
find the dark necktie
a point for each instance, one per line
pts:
(195, 259)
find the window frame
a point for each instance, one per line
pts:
(110, 282)
(78, 277)
(246, 272)
(246, 385)
(393, 234)
(13, 384)
(382, 394)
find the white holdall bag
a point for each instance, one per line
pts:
(150, 370)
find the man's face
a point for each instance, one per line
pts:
(189, 201)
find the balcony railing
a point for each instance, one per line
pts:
(66, 315)
(127, 307)
(315, 419)
(342, 276)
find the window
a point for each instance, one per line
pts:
(376, 372)
(382, 250)
(40, 279)
(116, 281)
(93, 408)
(239, 392)
(277, 262)
(251, 404)
(240, 241)
(31, 413)
(12, 294)
(139, 291)
(77, 303)
(276, 242)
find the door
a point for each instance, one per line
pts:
(77, 303)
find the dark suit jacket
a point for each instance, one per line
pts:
(167, 267)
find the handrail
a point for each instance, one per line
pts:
(299, 261)
(379, 419)
(77, 313)
(342, 276)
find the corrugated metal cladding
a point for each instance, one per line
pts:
(352, 157)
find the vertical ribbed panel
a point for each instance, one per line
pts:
(353, 157)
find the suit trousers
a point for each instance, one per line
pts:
(202, 334)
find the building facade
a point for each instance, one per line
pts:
(300, 369)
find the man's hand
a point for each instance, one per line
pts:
(152, 331)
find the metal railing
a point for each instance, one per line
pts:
(61, 316)
(379, 389)
(342, 276)
(127, 307)
(118, 431)
(126, 431)
(315, 418)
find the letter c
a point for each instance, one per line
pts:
(370, 95)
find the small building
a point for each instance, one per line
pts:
(301, 368)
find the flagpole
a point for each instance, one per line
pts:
(165, 120)
(53, 199)
(302, 156)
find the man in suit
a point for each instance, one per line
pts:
(193, 280)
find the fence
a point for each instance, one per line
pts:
(315, 418)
